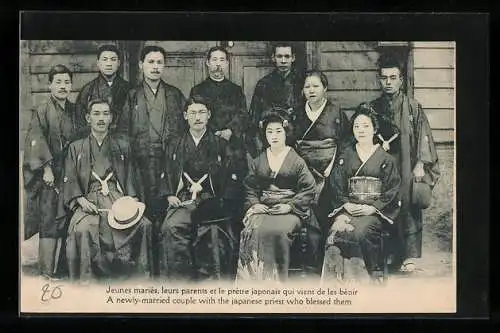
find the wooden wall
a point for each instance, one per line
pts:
(37, 57)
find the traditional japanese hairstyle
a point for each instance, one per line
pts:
(276, 115)
(367, 110)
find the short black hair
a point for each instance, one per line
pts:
(59, 69)
(95, 101)
(217, 48)
(153, 48)
(389, 61)
(198, 99)
(283, 44)
(318, 73)
(110, 48)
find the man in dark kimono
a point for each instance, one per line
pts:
(53, 126)
(230, 119)
(203, 176)
(98, 172)
(108, 85)
(406, 135)
(155, 109)
(282, 87)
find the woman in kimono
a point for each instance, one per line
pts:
(364, 187)
(279, 191)
(98, 172)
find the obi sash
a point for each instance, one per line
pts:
(364, 188)
(275, 195)
(318, 154)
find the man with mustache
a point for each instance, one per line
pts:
(54, 125)
(155, 112)
(108, 85)
(406, 134)
(280, 88)
(229, 119)
(201, 170)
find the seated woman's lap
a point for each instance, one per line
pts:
(365, 225)
(278, 224)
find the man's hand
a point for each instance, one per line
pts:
(280, 209)
(173, 201)
(363, 210)
(418, 171)
(260, 209)
(87, 206)
(225, 134)
(48, 176)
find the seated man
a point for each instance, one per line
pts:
(98, 176)
(202, 172)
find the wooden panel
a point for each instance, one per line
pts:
(351, 99)
(76, 63)
(40, 82)
(251, 75)
(352, 80)
(67, 46)
(441, 118)
(435, 77)
(434, 45)
(442, 136)
(183, 46)
(183, 78)
(433, 58)
(38, 98)
(435, 98)
(349, 61)
(251, 48)
(347, 46)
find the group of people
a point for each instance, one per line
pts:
(141, 181)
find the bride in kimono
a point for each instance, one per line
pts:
(364, 187)
(279, 191)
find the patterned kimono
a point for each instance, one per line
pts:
(364, 240)
(155, 118)
(186, 248)
(403, 115)
(51, 130)
(93, 248)
(115, 92)
(266, 239)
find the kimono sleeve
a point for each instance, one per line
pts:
(178, 125)
(391, 182)
(37, 152)
(71, 187)
(240, 120)
(305, 190)
(257, 103)
(345, 130)
(337, 186)
(122, 123)
(426, 148)
(166, 183)
(251, 186)
(236, 168)
(131, 175)
(81, 104)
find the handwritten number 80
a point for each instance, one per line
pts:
(48, 294)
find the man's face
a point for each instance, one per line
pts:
(283, 58)
(197, 116)
(99, 118)
(390, 79)
(108, 63)
(60, 86)
(217, 64)
(153, 65)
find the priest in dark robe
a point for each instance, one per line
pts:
(203, 177)
(155, 109)
(406, 134)
(53, 127)
(229, 117)
(280, 88)
(364, 185)
(108, 85)
(98, 172)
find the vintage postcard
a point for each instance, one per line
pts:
(240, 176)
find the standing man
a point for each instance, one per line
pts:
(54, 125)
(230, 119)
(108, 85)
(406, 134)
(282, 87)
(155, 110)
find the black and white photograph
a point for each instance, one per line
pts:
(170, 176)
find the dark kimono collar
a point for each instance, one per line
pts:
(57, 105)
(290, 76)
(103, 79)
(394, 98)
(93, 140)
(210, 79)
(149, 90)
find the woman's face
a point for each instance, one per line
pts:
(363, 129)
(275, 135)
(314, 91)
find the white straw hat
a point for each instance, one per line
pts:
(125, 213)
